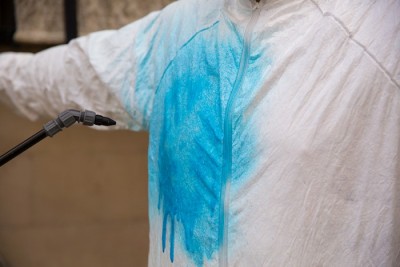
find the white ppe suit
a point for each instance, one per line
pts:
(274, 126)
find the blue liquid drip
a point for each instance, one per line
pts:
(186, 141)
(186, 137)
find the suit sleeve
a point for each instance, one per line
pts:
(97, 72)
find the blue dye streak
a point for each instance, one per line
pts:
(186, 137)
(186, 141)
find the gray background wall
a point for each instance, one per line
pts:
(78, 199)
(41, 21)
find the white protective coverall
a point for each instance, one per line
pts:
(274, 126)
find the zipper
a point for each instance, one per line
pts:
(227, 141)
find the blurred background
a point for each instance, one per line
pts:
(78, 199)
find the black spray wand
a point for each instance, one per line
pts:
(64, 119)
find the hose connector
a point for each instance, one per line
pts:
(70, 116)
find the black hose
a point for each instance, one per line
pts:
(12, 153)
(64, 119)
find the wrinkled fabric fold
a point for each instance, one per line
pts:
(315, 125)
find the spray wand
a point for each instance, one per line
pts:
(64, 119)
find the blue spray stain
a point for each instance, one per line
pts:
(189, 163)
(186, 137)
(186, 141)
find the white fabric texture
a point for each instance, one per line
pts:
(274, 126)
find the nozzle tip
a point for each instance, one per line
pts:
(100, 120)
(111, 122)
